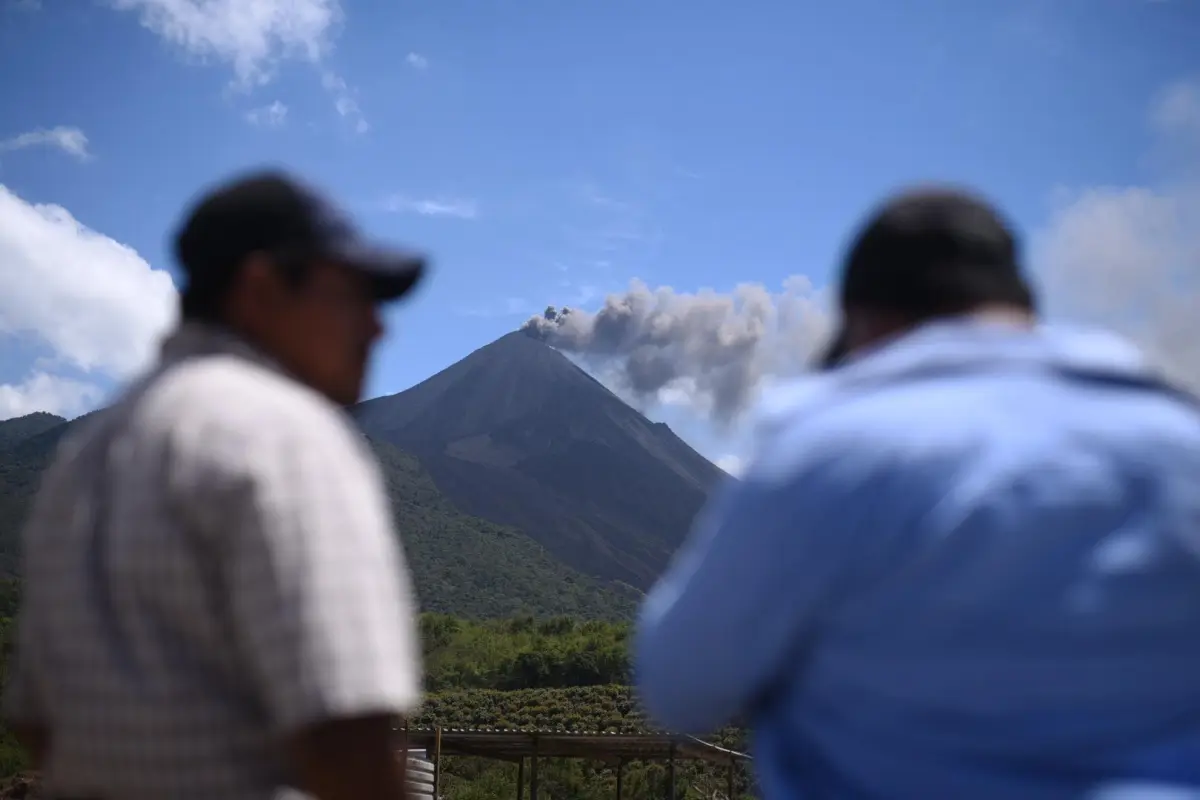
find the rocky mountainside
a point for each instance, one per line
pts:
(520, 485)
(517, 434)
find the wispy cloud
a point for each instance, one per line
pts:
(272, 116)
(1176, 111)
(417, 61)
(459, 208)
(254, 38)
(71, 141)
(345, 102)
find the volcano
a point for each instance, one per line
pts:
(517, 434)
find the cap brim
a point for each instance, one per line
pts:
(393, 272)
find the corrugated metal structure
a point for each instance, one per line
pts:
(528, 746)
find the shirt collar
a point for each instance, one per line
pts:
(971, 343)
(192, 339)
(947, 346)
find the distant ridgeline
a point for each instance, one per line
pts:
(520, 485)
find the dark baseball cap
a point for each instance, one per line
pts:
(929, 252)
(274, 213)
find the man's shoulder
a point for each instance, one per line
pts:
(820, 410)
(230, 396)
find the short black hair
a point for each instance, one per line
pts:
(935, 251)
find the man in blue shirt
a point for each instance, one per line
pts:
(964, 564)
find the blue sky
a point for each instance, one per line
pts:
(550, 152)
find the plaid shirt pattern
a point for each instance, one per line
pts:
(209, 565)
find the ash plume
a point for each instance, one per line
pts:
(708, 350)
(1125, 258)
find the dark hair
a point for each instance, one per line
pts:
(223, 231)
(935, 253)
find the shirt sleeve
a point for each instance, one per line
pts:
(739, 604)
(316, 583)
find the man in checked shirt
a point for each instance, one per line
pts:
(215, 603)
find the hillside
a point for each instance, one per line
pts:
(26, 447)
(14, 431)
(478, 675)
(517, 434)
(461, 564)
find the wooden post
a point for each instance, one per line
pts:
(404, 753)
(521, 778)
(732, 767)
(620, 775)
(437, 762)
(533, 771)
(671, 773)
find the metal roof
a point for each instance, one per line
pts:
(513, 745)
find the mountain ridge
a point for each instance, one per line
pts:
(518, 434)
(460, 564)
(513, 474)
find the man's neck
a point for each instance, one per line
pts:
(1003, 315)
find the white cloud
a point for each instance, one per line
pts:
(253, 37)
(417, 61)
(344, 102)
(433, 207)
(43, 391)
(1127, 257)
(1177, 109)
(93, 302)
(71, 141)
(272, 116)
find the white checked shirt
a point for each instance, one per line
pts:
(210, 564)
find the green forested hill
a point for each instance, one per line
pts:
(477, 674)
(461, 564)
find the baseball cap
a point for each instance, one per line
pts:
(929, 252)
(275, 213)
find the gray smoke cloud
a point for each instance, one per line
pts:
(708, 350)
(1126, 258)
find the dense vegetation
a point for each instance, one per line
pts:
(513, 638)
(481, 674)
(473, 568)
(461, 564)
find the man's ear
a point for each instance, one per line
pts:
(256, 291)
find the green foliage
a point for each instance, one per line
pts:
(610, 709)
(470, 567)
(523, 653)
(483, 674)
(532, 643)
(13, 760)
(461, 564)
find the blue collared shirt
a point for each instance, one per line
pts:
(966, 565)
